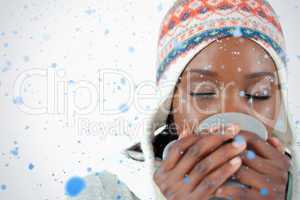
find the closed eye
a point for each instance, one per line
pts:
(202, 93)
(258, 97)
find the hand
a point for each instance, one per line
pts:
(197, 165)
(265, 169)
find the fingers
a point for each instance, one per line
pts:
(263, 166)
(213, 181)
(238, 193)
(248, 176)
(266, 150)
(276, 143)
(201, 149)
(176, 151)
(261, 183)
(258, 163)
(261, 147)
(215, 160)
(265, 186)
(180, 146)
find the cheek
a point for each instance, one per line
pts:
(267, 112)
(265, 109)
(268, 108)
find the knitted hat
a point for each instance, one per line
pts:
(191, 25)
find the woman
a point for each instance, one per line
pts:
(214, 56)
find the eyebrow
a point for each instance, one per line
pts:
(259, 74)
(248, 76)
(204, 72)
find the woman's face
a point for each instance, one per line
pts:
(230, 75)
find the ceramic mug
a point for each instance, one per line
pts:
(246, 123)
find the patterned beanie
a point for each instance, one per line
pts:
(191, 25)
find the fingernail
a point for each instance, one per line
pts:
(276, 140)
(219, 191)
(235, 161)
(250, 155)
(239, 141)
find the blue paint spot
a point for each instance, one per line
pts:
(123, 81)
(239, 140)
(5, 45)
(264, 192)
(89, 169)
(237, 32)
(30, 166)
(186, 179)
(242, 93)
(250, 155)
(118, 197)
(18, 100)
(71, 82)
(3, 187)
(131, 49)
(15, 151)
(123, 108)
(74, 186)
(176, 44)
(53, 65)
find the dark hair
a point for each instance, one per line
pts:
(160, 140)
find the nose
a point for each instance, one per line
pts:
(233, 100)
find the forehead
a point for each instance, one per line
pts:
(234, 55)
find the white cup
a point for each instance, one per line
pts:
(245, 122)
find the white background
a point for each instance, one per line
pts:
(74, 39)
